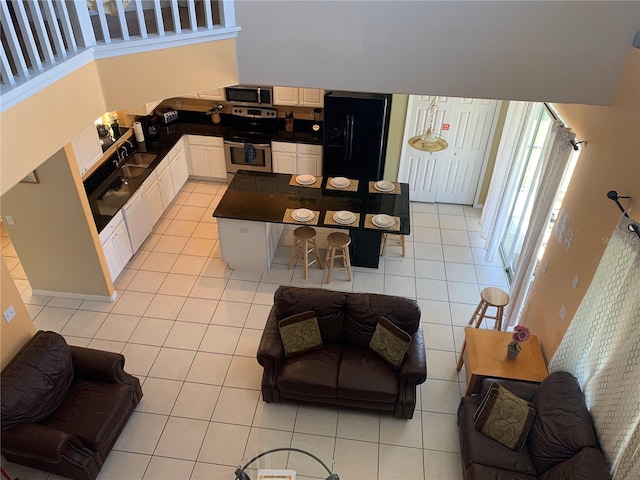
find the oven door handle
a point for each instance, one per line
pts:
(241, 144)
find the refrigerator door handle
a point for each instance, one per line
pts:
(350, 121)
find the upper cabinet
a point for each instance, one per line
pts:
(298, 97)
(87, 149)
(216, 94)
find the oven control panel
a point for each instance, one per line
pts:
(255, 112)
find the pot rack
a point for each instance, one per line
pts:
(613, 195)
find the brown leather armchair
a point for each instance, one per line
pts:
(344, 372)
(63, 407)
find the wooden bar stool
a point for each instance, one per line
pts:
(490, 297)
(338, 241)
(304, 242)
(399, 239)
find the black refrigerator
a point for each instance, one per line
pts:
(355, 134)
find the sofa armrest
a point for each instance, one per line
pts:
(524, 390)
(42, 443)
(271, 356)
(414, 365)
(103, 366)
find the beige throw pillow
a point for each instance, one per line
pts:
(505, 417)
(300, 333)
(390, 342)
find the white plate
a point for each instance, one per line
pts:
(345, 217)
(305, 179)
(383, 220)
(302, 214)
(383, 186)
(340, 182)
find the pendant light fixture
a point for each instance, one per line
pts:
(429, 141)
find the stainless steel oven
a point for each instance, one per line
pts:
(245, 155)
(247, 146)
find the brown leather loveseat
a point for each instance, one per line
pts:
(561, 444)
(63, 407)
(344, 371)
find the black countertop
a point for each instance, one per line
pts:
(107, 190)
(264, 197)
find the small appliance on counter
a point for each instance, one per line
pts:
(150, 127)
(167, 115)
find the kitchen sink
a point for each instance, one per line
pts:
(141, 159)
(131, 171)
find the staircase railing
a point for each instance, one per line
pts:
(39, 37)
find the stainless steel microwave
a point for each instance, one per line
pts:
(249, 95)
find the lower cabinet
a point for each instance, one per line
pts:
(297, 158)
(178, 166)
(116, 245)
(153, 198)
(206, 157)
(138, 218)
(165, 183)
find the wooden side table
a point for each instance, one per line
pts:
(485, 355)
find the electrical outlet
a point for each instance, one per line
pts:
(9, 220)
(178, 103)
(545, 265)
(568, 239)
(562, 313)
(574, 283)
(9, 313)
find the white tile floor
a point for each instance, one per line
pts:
(189, 328)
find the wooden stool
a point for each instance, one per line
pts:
(304, 241)
(490, 297)
(337, 241)
(399, 240)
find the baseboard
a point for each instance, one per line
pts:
(77, 296)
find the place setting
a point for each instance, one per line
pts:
(301, 215)
(384, 186)
(342, 217)
(305, 180)
(342, 183)
(382, 221)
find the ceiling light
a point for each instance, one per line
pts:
(429, 141)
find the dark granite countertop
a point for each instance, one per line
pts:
(108, 191)
(264, 197)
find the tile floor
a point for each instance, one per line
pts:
(189, 328)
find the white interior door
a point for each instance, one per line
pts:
(452, 175)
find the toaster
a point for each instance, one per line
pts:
(167, 115)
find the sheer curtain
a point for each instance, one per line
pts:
(558, 149)
(505, 177)
(601, 348)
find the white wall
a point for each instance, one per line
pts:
(561, 51)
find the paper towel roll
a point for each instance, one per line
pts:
(137, 131)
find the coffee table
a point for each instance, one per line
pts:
(485, 355)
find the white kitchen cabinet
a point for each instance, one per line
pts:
(144, 109)
(165, 183)
(296, 158)
(153, 197)
(178, 166)
(248, 245)
(206, 157)
(298, 97)
(215, 94)
(86, 148)
(116, 245)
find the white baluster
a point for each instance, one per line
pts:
(5, 68)
(177, 28)
(27, 36)
(77, 22)
(123, 20)
(12, 40)
(41, 31)
(207, 14)
(141, 22)
(159, 22)
(54, 28)
(102, 16)
(193, 21)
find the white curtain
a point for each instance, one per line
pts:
(601, 348)
(505, 177)
(556, 154)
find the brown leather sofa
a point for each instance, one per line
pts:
(561, 445)
(344, 372)
(63, 407)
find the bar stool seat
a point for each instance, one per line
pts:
(398, 238)
(338, 241)
(304, 242)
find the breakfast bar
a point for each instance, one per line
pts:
(253, 211)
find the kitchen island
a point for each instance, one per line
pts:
(257, 205)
